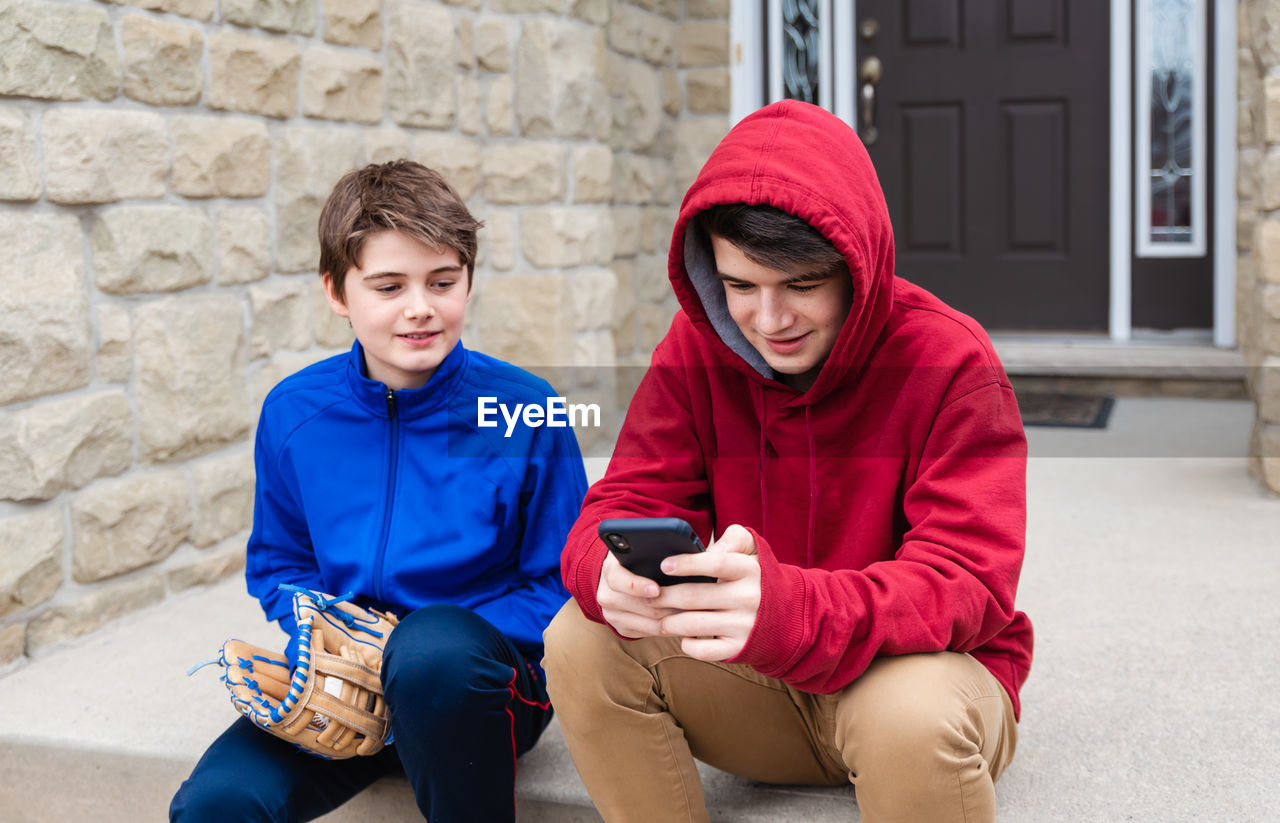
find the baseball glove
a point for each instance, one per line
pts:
(331, 705)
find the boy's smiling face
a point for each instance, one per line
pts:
(793, 320)
(406, 302)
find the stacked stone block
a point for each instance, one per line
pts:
(1258, 235)
(663, 127)
(162, 166)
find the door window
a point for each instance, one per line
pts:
(801, 39)
(1170, 134)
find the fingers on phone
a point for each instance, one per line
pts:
(736, 539)
(722, 566)
(626, 582)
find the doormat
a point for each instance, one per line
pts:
(1079, 411)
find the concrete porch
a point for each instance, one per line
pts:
(1151, 575)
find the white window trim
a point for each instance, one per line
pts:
(826, 28)
(844, 85)
(1121, 309)
(1224, 170)
(746, 89)
(775, 52)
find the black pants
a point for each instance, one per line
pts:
(462, 701)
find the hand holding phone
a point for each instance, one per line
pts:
(626, 601)
(715, 622)
(640, 544)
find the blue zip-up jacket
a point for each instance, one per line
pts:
(403, 499)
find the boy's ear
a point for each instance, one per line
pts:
(335, 302)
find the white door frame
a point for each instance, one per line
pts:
(748, 93)
(1223, 201)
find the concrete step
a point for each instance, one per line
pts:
(106, 729)
(1170, 356)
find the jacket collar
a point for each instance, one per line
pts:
(372, 394)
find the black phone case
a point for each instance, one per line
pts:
(652, 539)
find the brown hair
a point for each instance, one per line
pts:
(771, 237)
(402, 196)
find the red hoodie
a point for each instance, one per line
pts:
(888, 501)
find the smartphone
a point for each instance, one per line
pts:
(641, 544)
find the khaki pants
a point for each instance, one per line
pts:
(922, 737)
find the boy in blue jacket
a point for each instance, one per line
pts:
(375, 476)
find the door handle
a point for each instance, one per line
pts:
(869, 72)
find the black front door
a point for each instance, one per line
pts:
(989, 127)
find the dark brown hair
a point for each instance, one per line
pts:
(771, 237)
(403, 196)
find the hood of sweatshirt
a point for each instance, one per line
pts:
(807, 162)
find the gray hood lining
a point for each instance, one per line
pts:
(700, 266)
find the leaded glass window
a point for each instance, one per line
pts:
(800, 50)
(1170, 119)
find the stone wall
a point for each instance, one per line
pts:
(1258, 236)
(162, 166)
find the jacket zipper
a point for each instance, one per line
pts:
(391, 492)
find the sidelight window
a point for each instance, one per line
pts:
(1170, 127)
(801, 26)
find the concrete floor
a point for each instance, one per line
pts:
(1152, 573)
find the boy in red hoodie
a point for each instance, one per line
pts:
(856, 448)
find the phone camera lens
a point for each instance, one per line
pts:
(619, 543)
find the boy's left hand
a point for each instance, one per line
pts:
(714, 619)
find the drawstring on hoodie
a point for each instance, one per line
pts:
(762, 414)
(813, 484)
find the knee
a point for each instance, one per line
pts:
(439, 654)
(574, 649)
(920, 734)
(431, 627)
(215, 798)
(560, 635)
(589, 667)
(910, 714)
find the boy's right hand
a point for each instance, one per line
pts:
(626, 601)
